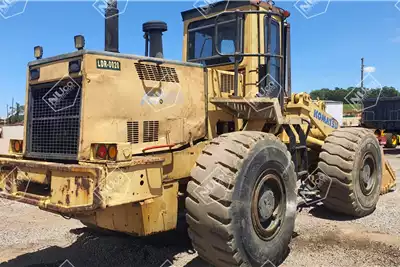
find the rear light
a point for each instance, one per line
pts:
(105, 152)
(34, 74)
(101, 152)
(286, 14)
(112, 152)
(16, 146)
(75, 66)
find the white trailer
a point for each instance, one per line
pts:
(335, 109)
(8, 132)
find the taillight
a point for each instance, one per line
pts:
(101, 152)
(112, 152)
(105, 152)
(16, 146)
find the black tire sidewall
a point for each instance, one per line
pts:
(370, 145)
(258, 251)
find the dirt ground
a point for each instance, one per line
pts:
(34, 238)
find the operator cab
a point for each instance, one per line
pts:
(249, 38)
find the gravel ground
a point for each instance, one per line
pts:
(35, 238)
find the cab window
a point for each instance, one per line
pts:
(275, 48)
(201, 39)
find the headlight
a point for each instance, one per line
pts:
(38, 52)
(79, 42)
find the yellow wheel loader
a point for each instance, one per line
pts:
(125, 143)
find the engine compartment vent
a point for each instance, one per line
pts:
(150, 131)
(133, 132)
(156, 73)
(227, 83)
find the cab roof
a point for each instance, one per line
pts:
(221, 6)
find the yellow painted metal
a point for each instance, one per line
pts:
(71, 190)
(141, 218)
(124, 185)
(138, 194)
(388, 176)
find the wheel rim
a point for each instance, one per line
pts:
(268, 205)
(368, 175)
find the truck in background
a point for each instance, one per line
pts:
(384, 117)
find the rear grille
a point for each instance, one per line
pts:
(133, 132)
(54, 120)
(150, 131)
(156, 73)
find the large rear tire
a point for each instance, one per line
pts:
(241, 203)
(352, 161)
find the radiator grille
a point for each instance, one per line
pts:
(133, 132)
(156, 73)
(54, 130)
(227, 83)
(150, 131)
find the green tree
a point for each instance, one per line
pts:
(341, 94)
(16, 114)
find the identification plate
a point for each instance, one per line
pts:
(108, 64)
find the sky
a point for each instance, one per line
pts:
(326, 48)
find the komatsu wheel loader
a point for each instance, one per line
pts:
(125, 142)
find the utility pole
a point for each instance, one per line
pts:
(12, 111)
(362, 73)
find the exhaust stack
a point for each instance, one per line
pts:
(111, 27)
(153, 34)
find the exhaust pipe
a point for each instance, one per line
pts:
(153, 34)
(111, 27)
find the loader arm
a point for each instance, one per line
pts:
(321, 123)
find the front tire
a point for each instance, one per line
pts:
(351, 160)
(241, 203)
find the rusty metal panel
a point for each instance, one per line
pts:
(134, 95)
(142, 218)
(71, 189)
(131, 184)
